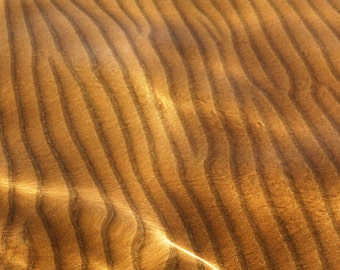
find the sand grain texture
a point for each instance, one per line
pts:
(169, 134)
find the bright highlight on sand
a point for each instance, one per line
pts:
(191, 254)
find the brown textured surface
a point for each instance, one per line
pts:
(132, 131)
